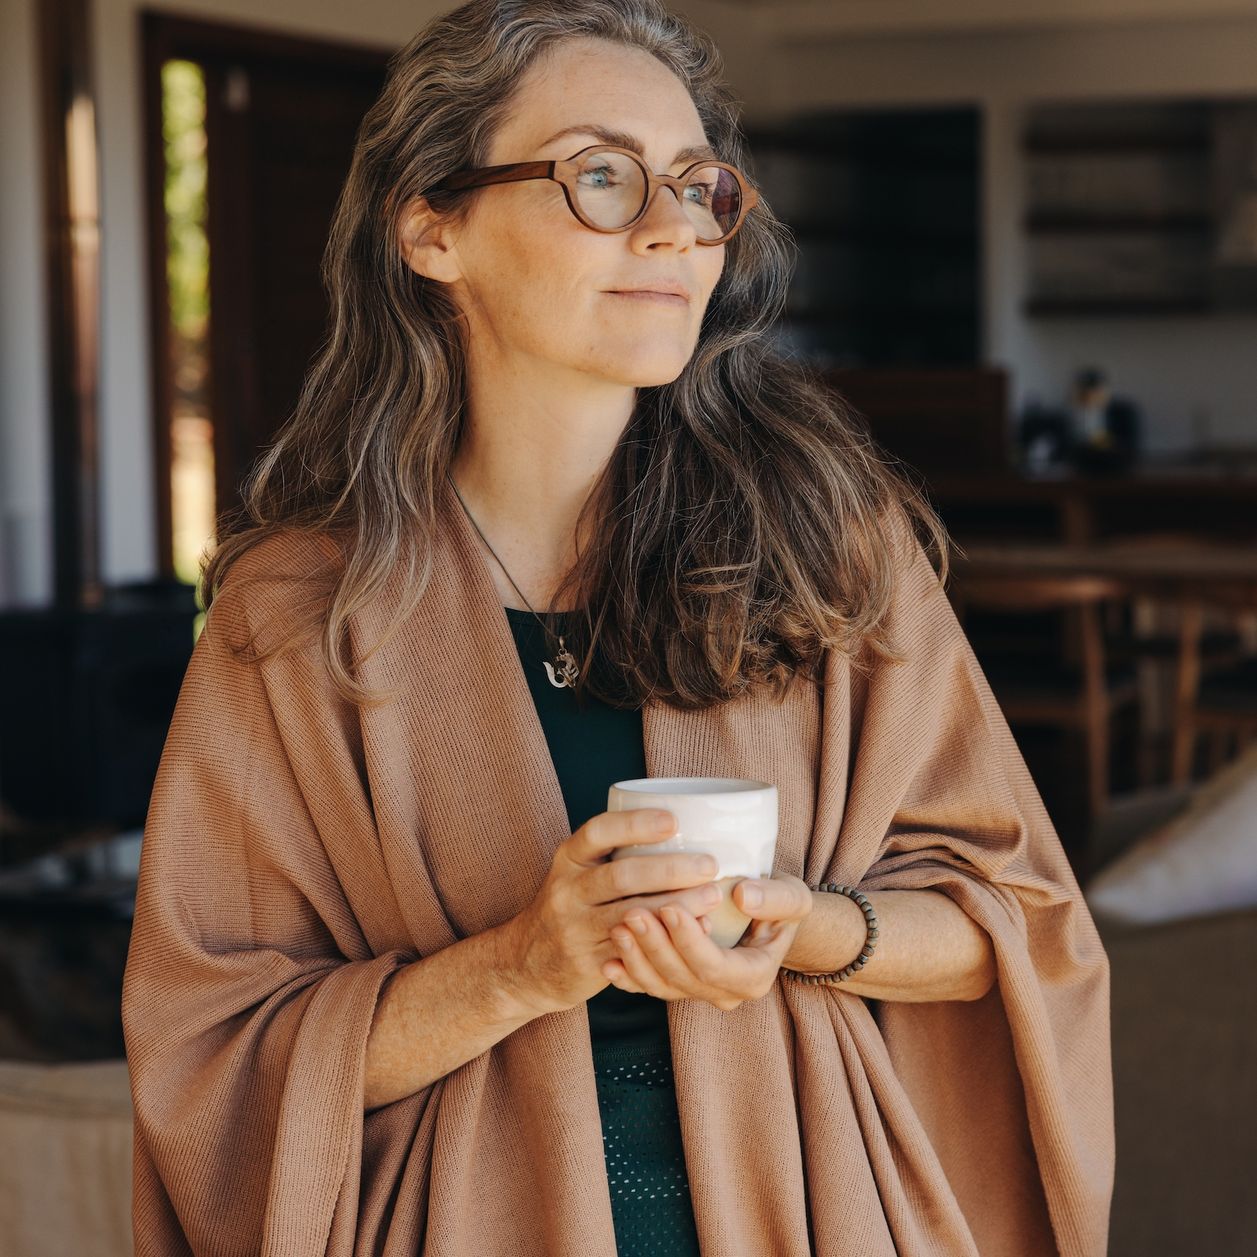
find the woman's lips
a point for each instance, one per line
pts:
(668, 298)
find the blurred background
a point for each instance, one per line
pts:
(1027, 236)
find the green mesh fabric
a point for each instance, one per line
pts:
(641, 1137)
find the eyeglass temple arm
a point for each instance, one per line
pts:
(512, 172)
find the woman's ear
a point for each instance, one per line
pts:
(427, 242)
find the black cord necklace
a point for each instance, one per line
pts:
(564, 670)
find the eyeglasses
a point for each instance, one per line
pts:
(608, 189)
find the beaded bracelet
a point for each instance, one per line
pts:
(870, 941)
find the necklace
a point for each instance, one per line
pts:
(564, 671)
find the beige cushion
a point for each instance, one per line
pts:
(1201, 862)
(65, 1159)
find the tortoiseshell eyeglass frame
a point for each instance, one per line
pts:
(566, 172)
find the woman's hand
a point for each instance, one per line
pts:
(557, 946)
(674, 958)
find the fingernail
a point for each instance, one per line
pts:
(752, 896)
(637, 925)
(670, 917)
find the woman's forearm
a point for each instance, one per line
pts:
(928, 948)
(435, 1014)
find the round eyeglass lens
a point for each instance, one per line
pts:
(611, 188)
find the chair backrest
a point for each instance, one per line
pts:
(1224, 596)
(998, 591)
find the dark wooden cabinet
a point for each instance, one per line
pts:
(884, 207)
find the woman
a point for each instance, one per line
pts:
(385, 991)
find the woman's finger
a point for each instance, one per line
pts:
(725, 973)
(704, 962)
(782, 898)
(656, 956)
(637, 961)
(659, 947)
(616, 973)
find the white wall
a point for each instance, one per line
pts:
(779, 57)
(25, 439)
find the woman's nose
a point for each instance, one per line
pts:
(679, 211)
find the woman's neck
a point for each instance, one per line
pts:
(528, 525)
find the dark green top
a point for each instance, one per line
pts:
(592, 747)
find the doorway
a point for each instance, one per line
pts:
(249, 135)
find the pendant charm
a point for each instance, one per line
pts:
(568, 671)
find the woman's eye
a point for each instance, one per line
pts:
(597, 170)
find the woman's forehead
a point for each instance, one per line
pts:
(631, 99)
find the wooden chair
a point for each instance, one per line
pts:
(1219, 700)
(1075, 688)
(1171, 641)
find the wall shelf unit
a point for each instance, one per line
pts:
(1141, 208)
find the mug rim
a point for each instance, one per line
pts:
(700, 786)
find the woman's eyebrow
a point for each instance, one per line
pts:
(621, 139)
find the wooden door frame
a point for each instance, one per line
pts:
(164, 36)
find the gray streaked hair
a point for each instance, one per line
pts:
(743, 523)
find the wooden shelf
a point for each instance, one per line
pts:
(1041, 307)
(905, 235)
(1047, 223)
(870, 154)
(1085, 221)
(1066, 145)
(850, 182)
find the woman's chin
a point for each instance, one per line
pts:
(649, 370)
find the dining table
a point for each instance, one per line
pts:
(1203, 571)
(1214, 494)
(1195, 577)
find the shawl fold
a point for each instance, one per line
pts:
(297, 851)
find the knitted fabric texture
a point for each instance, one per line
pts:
(297, 851)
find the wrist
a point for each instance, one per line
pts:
(519, 998)
(831, 936)
(802, 948)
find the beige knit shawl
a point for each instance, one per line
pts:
(297, 852)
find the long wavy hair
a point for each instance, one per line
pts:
(744, 522)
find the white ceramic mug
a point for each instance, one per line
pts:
(730, 818)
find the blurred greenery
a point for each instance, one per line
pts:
(187, 279)
(183, 133)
